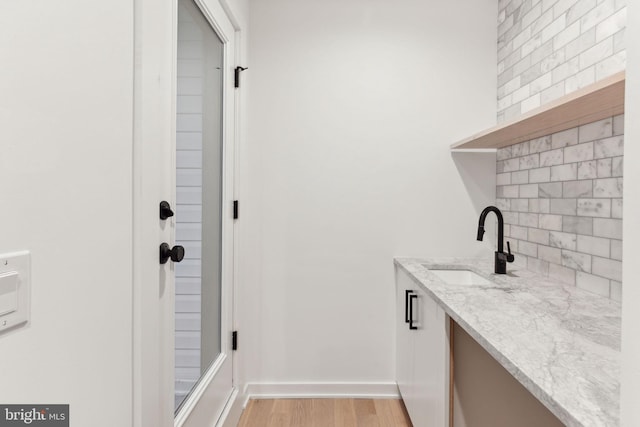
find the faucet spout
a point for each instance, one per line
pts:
(483, 217)
(501, 258)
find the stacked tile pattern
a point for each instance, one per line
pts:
(561, 197)
(549, 48)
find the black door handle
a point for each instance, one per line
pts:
(165, 210)
(176, 253)
(411, 298)
(406, 305)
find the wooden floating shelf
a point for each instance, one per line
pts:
(598, 101)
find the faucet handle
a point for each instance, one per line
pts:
(510, 256)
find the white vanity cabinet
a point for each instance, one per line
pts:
(422, 354)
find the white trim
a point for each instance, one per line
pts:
(322, 390)
(200, 388)
(232, 412)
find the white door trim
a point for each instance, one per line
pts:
(155, 29)
(154, 137)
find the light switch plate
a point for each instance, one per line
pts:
(15, 289)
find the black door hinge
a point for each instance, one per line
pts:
(234, 340)
(235, 209)
(236, 80)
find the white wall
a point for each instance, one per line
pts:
(631, 295)
(352, 107)
(65, 172)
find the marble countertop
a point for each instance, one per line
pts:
(561, 343)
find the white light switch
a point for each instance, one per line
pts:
(15, 289)
(8, 292)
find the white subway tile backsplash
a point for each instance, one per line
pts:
(611, 228)
(607, 187)
(596, 130)
(588, 169)
(616, 291)
(616, 250)
(597, 14)
(562, 274)
(576, 224)
(551, 158)
(550, 222)
(540, 144)
(611, 25)
(549, 254)
(563, 206)
(616, 208)
(568, 172)
(594, 207)
(503, 153)
(503, 178)
(580, 189)
(611, 65)
(519, 205)
(529, 162)
(561, 194)
(604, 168)
(518, 232)
(528, 219)
(609, 147)
(617, 166)
(578, 153)
(537, 265)
(568, 34)
(530, 103)
(539, 175)
(537, 235)
(554, 92)
(576, 261)
(503, 204)
(581, 79)
(550, 190)
(527, 248)
(539, 206)
(562, 240)
(591, 283)
(520, 177)
(582, 43)
(609, 268)
(564, 138)
(618, 125)
(519, 150)
(529, 191)
(594, 245)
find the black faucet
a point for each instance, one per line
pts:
(501, 259)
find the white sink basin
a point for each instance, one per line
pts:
(460, 277)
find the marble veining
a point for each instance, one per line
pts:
(561, 343)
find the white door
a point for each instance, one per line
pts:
(169, 36)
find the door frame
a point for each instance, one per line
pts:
(154, 134)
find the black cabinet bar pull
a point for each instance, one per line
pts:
(406, 305)
(411, 298)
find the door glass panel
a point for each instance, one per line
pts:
(199, 198)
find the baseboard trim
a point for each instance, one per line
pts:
(322, 390)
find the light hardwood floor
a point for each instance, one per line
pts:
(325, 413)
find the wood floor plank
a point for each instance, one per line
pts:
(325, 413)
(322, 412)
(257, 412)
(345, 413)
(366, 413)
(384, 411)
(301, 412)
(400, 414)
